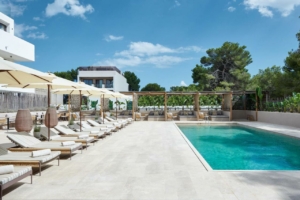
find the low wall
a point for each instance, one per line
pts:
(239, 114)
(287, 119)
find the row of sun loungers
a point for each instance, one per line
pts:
(32, 152)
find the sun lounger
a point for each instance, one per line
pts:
(55, 137)
(25, 158)
(111, 123)
(121, 121)
(96, 124)
(13, 175)
(107, 130)
(29, 143)
(70, 133)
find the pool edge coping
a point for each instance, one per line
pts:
(198, 155)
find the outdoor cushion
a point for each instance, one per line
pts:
(83, 136)
(26, 156)
(68, 143)
(41, 153)
(7, 169)
(18, 171)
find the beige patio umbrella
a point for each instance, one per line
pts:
(57, 83)
(87, 90)
(13, 73)
(109, 94)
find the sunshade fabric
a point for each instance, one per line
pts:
(57, 83)
(13, 73)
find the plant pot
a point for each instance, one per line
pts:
(51, 118)
(37, 135)
(71, 126)
(23, 122)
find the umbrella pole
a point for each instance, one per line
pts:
(100, 110)
(116, 109)
(80, 109)
(49, 99)
(103, 108)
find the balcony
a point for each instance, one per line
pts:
(15, 49)
(110, 85)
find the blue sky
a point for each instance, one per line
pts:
(161, 41)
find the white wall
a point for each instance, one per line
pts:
(11, 47)
(56, 99)
(12, 89)
(120, 83)
(287, 119)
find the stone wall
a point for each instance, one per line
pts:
(12, 102)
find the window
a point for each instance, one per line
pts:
(109, 84)
(2, 27)
(99, 83)
(88, 81)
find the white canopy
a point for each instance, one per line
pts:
(13, 73)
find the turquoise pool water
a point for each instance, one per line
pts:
(233, 147)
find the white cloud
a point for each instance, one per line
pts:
(99, 54)
(266, 7)
(145, 48)
(38, 19)
(182, 83)
(68, 7)
(20, 28)
(231, 9)
(146, 53)
(37, 35)
(176, 4)
(11, 9)
(113, 38)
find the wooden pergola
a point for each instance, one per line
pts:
(226, 98)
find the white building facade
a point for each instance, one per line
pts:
(107, 77)
(15, 49)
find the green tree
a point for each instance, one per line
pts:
(270, 80)
(202, 77)
(291, 68)
(69, 75)
(153, 87)
(190, 88)
(132, 80)
(228, 64)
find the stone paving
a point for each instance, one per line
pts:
(150, 160)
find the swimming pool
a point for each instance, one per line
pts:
(235, 147)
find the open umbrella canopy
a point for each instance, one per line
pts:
(13, 73)
(82, 91)
(56, 83)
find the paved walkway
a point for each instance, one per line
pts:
(150, 160)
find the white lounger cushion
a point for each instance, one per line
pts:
(68, 143)
(40, 153)
(26, 156)
(7, 169)
(32, 142)
(18, 171)
(24, 140)
(83, 136)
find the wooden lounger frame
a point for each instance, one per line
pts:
(30, 149)
(32, 163)
(9, 183)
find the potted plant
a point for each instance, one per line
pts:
(37, 131)
(71, 123)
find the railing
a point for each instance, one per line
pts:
(98, 85)
(109, 85)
